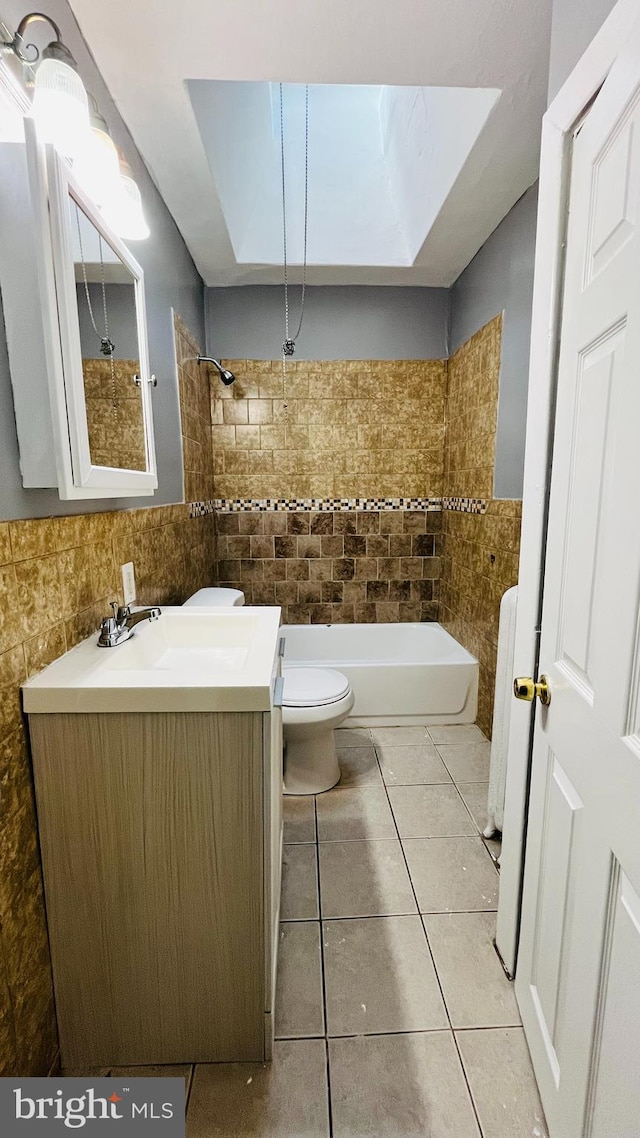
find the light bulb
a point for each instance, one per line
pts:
(60, 106)
(124, 212)
(97, 167)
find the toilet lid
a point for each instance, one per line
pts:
(313, 687)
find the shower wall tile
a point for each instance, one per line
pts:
(480, 550)
(194, 385)
(319, 572)
(345, 428)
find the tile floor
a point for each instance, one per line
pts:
(394, 1018)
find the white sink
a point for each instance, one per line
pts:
(190, 659)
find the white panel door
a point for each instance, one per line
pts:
(578, 978)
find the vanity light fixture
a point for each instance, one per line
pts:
(125, 211)
(60, 109)
(97, 167)
(60, 106)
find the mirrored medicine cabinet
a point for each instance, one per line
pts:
(74, 306)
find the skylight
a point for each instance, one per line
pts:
(382, 161)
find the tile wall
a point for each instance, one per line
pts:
(335, 566)
(480, 550)
(335, 428)
(195, 414)
(116, 433)
(57, 576)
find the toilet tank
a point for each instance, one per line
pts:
(214, 597)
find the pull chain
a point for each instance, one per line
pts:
(107, 346)
(289, 345)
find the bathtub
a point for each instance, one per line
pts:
(399, 673)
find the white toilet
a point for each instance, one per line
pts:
(315, 702)
(216, 597)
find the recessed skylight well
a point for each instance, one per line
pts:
(382, 162)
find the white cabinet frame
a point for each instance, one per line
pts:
(54, 189)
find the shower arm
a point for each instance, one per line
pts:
(226, 376)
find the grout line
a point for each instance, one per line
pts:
(378, 1034)
(391, 916)
(322, 971)
(468, 809)
(436, 973)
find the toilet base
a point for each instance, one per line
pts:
(311, 765)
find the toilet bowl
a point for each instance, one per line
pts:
(315, 702)
(216, 597)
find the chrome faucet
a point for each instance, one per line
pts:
(119, 627)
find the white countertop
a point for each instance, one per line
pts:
(190, 659)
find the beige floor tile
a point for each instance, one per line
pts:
(299, 1005)
(467, 762)
(299, 898)
(409, 765)
(353, 737)
(299, 817)
(476, 990)
(283, 1099)
(429, 811)
(364, 879)
(399, 736)
(475, 797)
(399, 1086)
(379, 977)
(358, 767)
(173, 1071)
(502, 1083)
(362, 812)
(456, 733)
(452, 875)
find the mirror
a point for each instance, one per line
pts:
(84, 419)
(107, 319)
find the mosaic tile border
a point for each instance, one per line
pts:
(319, 505)
(465, 505)
(311, 505)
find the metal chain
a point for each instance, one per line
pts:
(289, 345)
(107, 347)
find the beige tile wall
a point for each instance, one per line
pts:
(334, 567)
(472, 413)
(345, 428)
(57, 576)
(480, 551)
(195, 413)
(479, 563)
(116, 434)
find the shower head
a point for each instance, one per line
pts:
(227, 377)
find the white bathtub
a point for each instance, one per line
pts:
(400, 673)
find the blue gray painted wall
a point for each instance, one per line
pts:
(171, 280)
(349, 322)
(500, 279)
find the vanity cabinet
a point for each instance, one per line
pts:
(161, 837)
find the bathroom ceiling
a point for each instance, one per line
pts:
(424, 126)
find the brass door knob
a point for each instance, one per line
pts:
(525, 687)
